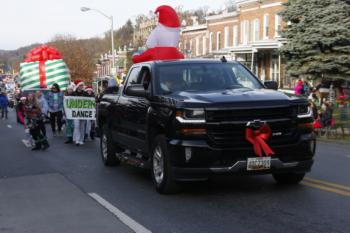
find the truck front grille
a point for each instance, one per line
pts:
(226, 128)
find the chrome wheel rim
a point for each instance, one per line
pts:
(158, 165)
(104, 146)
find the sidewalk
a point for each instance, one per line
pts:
(51, 204)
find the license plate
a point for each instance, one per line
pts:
(260, 163)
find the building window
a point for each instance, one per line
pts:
(235, 36)
(204, 45)
(197, 46)
(226, 37)
(211, 41)
(274, 69)
(218, 40)
(256, 30)
(245, 32)
(278, 25)
(266, 26)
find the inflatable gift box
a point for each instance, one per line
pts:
(42, 68)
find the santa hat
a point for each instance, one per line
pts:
(168, 16)
(89, 88)
(78, 83)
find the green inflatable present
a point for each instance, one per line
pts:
(42, 68)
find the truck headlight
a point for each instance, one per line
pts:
(304, 111)
(191, 116)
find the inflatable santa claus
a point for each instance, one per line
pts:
(163, 40)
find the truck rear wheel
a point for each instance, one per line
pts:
(108, 150)
(162, 173)
(288, 178)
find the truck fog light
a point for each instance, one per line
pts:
(188, 153)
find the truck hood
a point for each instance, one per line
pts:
(232, 97)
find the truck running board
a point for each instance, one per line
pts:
(135, 160)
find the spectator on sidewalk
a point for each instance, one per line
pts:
(55, 103)
(4, 102)
(326, 114)
(299, 88)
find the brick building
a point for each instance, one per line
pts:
(249, 34)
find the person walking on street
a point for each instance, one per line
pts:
(44, 109)
(4, 102)
(55, 103)
(69, 122)
(79, 125)
(33, 117)
(90, 124)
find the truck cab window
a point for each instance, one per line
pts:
(133, 76)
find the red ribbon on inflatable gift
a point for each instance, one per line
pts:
(258, 137)
(42, 54)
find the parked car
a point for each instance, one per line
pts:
(189, 119)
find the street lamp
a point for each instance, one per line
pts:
(84, 9)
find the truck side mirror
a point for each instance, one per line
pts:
(271, 85)
(136, 90)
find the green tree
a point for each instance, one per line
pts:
(318, 35)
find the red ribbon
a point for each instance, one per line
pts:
(257, 138)
(42, 54)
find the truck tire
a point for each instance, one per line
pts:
(288, 178)
(162, 174)
(108, 150)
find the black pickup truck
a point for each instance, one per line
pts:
(188, 119)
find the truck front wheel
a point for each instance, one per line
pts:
(108, 150)
(162, 174)
(288, 178)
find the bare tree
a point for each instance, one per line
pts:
(80, 63)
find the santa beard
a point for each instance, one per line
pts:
(163, 36)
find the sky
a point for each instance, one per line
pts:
(24, 22)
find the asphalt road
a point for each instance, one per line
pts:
(223, 204)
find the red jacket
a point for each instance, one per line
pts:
(158, 53)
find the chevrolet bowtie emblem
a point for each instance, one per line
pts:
(256, 124)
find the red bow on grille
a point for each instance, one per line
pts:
(257, 137)
(42, 54)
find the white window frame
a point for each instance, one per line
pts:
(256, 30)
(266, 26)
(197, 46)
(274, 72)
(211, 38)
(242, 31)
(278, 25)
(246, 32)
(218, 41)
(226, 37)
(191, 50)
(235, 36)
(204, 47)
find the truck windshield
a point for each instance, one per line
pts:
(204, 77)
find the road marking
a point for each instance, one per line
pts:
(26, 143)
(135, 226)
(9, 126)
(334, 185)
(327, 186)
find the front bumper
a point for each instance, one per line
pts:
(206, 160)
